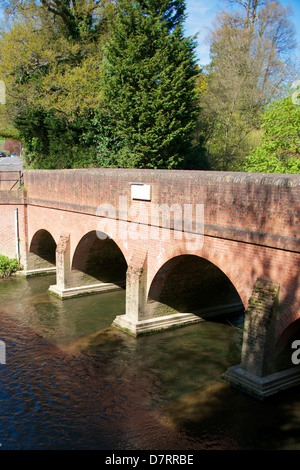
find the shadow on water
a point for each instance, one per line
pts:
(238, 420)
(72, 381)
(212, 415)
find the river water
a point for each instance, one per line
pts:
(73, 382)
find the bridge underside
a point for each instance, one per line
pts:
(182, 292)
(98, 266)
(40, 258)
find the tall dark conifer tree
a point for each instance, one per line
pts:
(149, 87)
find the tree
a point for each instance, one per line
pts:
(280, 150)
(78, 20)
(249, 63)
(149, 88)
(50, 61)
(41, 62)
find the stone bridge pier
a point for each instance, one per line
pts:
(186, 246)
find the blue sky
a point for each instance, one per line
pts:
(201, 14)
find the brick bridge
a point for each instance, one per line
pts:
(187, 245)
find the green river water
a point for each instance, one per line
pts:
(73, 382)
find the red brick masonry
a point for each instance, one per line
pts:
(251, 221)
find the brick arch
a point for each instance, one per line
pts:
(101, 258)
(214, 256)
(39, 232)
(110, 228)
(195, 281)
(289, 314)
(43, 245)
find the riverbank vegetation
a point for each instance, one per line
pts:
(115, 83)
(8, 266)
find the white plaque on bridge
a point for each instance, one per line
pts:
(141, 191)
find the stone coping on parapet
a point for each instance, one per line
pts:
(138, 175)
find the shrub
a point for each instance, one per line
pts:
(8, 266)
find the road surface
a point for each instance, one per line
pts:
(11, 164)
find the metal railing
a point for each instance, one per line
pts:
(15, 180)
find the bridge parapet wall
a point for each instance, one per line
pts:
(255, 208)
